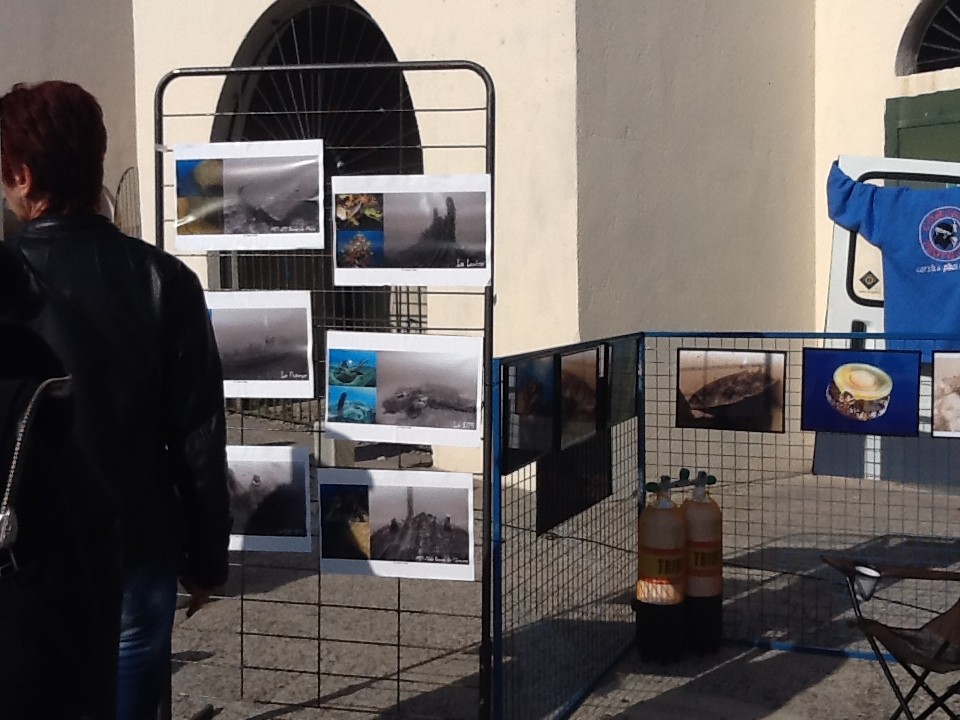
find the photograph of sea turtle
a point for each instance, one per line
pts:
(356, 368)
(265, 195)
(420, 524)
(435, 229)
(344, 522)
(730, 390)
(420, 389)
(578, 396)
(352, 405)
(269, 503)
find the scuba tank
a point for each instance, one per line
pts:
(661, 557)
(703, 602)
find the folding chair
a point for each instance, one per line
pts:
(931, 648)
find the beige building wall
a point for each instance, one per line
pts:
(856, 54)
(90, 43)
(695, 144)
(529, 49)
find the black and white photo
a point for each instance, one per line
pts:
(269, 498)
(265, 342)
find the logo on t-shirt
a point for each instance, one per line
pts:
(940, 234)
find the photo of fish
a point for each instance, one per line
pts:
(360, 248)
(623, 377)
(269, 501)
(265, 342)
(530, 411)
(412, 230)
(352, 405)
(862, 392)
(730, 390)
(249, 195)
(397, 523)
(578, 396)
(344, 522)
(357, 368)
(268, 195)
(392, 387)
(419, 524)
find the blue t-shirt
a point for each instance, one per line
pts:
(918, 232)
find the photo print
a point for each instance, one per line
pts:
(731, 390)
(622, 379)
(573, 480)
(418, 389)
(397, 523)
(579, 399)
(864, 392)
(265, 340)
(269, 498)
(946, 394)
(412, 230)
(249, 195)
(530, 411)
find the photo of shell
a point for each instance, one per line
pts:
(391, 387)
(623, 376)
(344, 522)
(865, 392)
(579, 375)
(249, 195)
(412, 229)
(265, 342)
(419, 524)
(529, 411)
(269, 498)
(396, 523)
(730, 390)
(946, 394)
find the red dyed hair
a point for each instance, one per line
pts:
(56, 129)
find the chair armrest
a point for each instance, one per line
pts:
(847, 566)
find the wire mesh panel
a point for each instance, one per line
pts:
(789, 494)
(566, 552)
(284, 635)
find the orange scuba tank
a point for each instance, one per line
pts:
(661, 576)
(703, 601)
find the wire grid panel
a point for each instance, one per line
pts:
(565, 593)
(891, 499)
(283, 635)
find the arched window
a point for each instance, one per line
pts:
(931, 40)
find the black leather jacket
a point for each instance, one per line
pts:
(131, 326)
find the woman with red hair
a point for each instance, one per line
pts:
(130, 324)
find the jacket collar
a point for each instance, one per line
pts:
(51, 224)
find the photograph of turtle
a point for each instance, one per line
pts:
(397, 523)
(269, 498)
(422, 388)
(249, 195)
(579, 376)
(530, 411)
(412, 229)
(946, 394)
(266, 342)
(572, 480)
(344, 522)
(730, 390)
(622, 377)
(865, 392)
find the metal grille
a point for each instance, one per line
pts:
(563, 610)
(284, 638)
(891, 499)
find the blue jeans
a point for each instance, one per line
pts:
(149, 602)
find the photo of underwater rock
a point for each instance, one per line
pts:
(420, 524)
(266, 195)
(435, 229)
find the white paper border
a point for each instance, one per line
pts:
(401, 478)
(457, 277)
(418, 345)
(253, 149)
(271, 453)
(279, 389)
